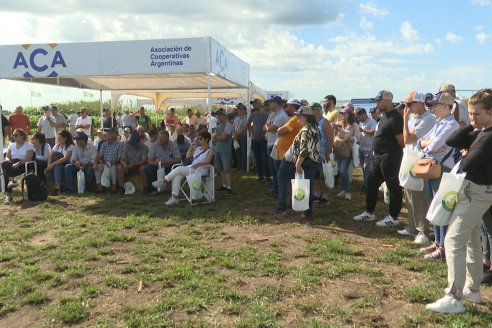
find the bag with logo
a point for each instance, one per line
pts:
(406, 177)
(194, 180)
(444, 201)
(80, 182)
(300, 193)
(36, 188)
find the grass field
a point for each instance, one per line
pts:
(129, 261)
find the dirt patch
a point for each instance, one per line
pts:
(43, 239)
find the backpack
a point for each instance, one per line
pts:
(36, 188)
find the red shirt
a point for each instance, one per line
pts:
(19, 121)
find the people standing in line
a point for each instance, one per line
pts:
(460, 111)
(330, 110)
(433, 145)
(190, 119)
(60, 120)
(84, 122)
(374, 112)
(46, 126)
(275, 120)
(462, 242)
(367, 128)
(19, 120)
(417, 122)
(239, 134)
(72, 120)
(223, 150)
(388, 152)
(128, 121)
(255, 123)
(143, 119)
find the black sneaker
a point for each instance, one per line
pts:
(222, 188)
(228, 191)
(323, 201)
(316, 199)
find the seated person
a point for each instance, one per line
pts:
(42, 152)
(183, 144)
(153, 135)
(109, 155)
(83, 158)
(18, 153)
(133, 157)
(60, 156)
(200, 155)
(126, 134)
(100, 138)
(163, 151)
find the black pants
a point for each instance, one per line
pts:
(385, 168)
(9, 171)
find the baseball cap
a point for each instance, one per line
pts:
(277, 100)
(383, 95)
(446, 87)
(414, 96)
(134, 138)
(127, 129)
(304, 110)
(442, 98)
(294, 101)
(316, 105)
(241, 106)
(80, 136)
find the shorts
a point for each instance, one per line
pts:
(223, 162)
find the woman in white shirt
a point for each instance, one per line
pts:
(42, 152)
(19, 152)
(60, 156)
(200, 156)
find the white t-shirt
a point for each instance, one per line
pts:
(43, 156)
(48, 131)
(60, 149)
(85, 121)
(20, 153)
(72, 119)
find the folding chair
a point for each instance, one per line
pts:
(207, 187)
(4, 182)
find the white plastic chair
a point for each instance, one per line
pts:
(208, 187)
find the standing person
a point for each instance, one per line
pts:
(84, 122)
(18, 153)
(119, 120)
(329, 107)
(433, 145)
(72, 120)
(143, 119)
(374, 113)
(60, 120)
(239, 133)
(60, 156)
(46, 126)
(463, 247)
(275, 120)
(459, 111)
(417, 122)
(190, 119)
(42, 153)
(83, 158)
(107, 121)
(19, 120)
(223, 150)
(326, 133)
(255, 123)
(128, 121)
(305, 150)
(171, 119)
(348, 131)
(388, 152)
(367, 128)
(199, 119)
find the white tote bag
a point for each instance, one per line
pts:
(328, 176)
(194, 180)
(80, 181)
(334, 164)
(355, 155)
(106, 176)
(161, 174)
(444, 201)
(407, 179)
(300, 193)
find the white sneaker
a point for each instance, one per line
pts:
(8, 200)
(366, 216)
(468, 295)
(405, 232)
(447, 304)
(341, 194)
(348, 196)
(171, 201)
(421, 238)
(388, 222)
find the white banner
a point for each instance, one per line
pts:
(227, 65)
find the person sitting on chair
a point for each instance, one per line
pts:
(200, 156)
(19, 152)
(133, 157)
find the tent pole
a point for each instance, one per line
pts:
(209, 96)
(101, 103)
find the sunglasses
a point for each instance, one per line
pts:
(16, 135)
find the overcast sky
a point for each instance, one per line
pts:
(309, 47)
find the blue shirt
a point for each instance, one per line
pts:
(420, 125)
(323, 141)
(438, 149)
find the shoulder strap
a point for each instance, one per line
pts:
(447, 156)
(200, 153)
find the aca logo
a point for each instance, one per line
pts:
(221, 61)
(41, 61)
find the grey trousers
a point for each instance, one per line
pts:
(417, 207)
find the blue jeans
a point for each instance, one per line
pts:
(259, 148)
(365, 162)
(70, 170)
(286, 172)
(343, 167)
(242, 153)
(57, 174)
(274, 166)
(430, 189)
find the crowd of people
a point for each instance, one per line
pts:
(289, 138)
